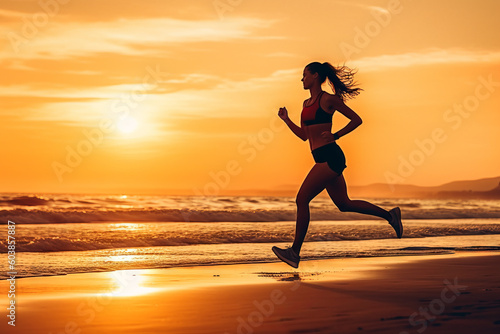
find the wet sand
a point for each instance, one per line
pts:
(455, 293)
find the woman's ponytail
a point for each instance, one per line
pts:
(341, 79)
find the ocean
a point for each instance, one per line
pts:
(58, 234)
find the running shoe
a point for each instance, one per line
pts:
(287, 255)
(396, 221)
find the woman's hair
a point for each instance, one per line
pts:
(341, 78)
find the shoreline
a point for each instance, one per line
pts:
(324, 296)
(61, 263)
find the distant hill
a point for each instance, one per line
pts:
(491, 194)
(481, 188)
(488, 188)
(474, 185)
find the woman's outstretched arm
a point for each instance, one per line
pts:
(298, 131)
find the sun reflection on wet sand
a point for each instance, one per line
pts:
(126, 283)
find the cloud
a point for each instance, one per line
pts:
(364, 7)
(188, 95)
(279, 76)
(127, 36)
(83, 72)
(186, 82)
(429, 57)
(27, 91)
(11, 13)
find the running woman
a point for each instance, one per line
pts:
(316, 125)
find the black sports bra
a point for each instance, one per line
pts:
(314, 114)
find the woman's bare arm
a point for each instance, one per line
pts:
(298, 131)
(336, 103)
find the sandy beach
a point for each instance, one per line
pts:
(454, 293)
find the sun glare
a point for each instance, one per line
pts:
(130, 283)
(127, 124)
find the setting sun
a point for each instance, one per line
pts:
(127, 124)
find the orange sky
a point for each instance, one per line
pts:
(191, 90)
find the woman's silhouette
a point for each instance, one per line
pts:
(316, 125)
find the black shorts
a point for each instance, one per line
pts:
(333, 155)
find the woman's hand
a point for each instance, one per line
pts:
(328, 136)
(283, 113)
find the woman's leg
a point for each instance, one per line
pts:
(338, 193)
(315, 182)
